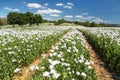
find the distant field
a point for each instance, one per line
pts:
(41, 25)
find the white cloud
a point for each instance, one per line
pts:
(34, 5)
(68, 16)
(24, 2)
(16, 10)
(7, 8)
(78, 16)
(54, 15)
(59, 4)
(84, 13)
(70, 4)
(91, 17)
(2, 16)
(10, 9)
(47, 18)
(43, 7)
(98, 20)
(49, 11)
(68, 7)
(46, 4)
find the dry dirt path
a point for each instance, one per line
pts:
(101, 71)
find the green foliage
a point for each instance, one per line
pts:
(44, 21)
(60, 21)
(38, 19)
(21, 48)
(29, 18)
(107, 47)
(93, 24)
(56, 23)
(23, 18)
(103, 25)
(87, 23)
(12, 18)
(0, 22)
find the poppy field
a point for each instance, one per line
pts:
(68, 60)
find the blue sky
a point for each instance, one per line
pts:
(91, 10)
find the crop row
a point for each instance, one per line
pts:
(106, 42)
(19, 48)
(69, 61)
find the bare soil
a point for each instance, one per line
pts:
(100, 70)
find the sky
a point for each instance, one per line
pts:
(99, 11)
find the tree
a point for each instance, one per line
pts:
(21, 19)
(60, 21)
(93, 24)
(44, 21)
(0, 23)
(104, 25)
(29, 18)
(12, 18)
(38, 19)
(87, 23)
(78, 23)
(56, 23)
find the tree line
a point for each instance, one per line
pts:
(23, 18)
(86, 23)
(91, 24)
